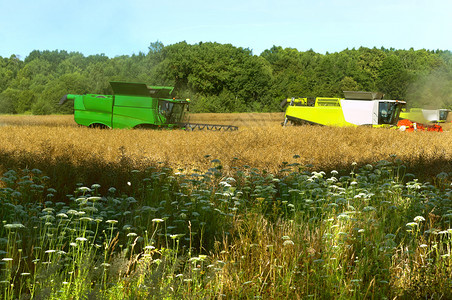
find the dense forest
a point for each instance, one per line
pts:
(224, 78)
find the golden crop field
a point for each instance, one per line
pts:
(260, 142)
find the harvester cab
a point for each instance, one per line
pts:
(135, 105)
(358, 108)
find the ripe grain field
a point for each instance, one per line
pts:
(261, 142)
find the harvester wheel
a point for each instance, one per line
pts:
(99, 126)
(147, 126)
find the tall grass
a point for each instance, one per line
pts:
(376, 232)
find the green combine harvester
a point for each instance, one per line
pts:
(357, 109)
(136, 105)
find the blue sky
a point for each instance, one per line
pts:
(115, 27)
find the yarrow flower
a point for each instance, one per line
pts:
(14, 226)
(419, 219)
(84, 189)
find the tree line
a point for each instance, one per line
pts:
(224, 78)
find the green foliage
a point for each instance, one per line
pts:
(42, 107)
(224, 78)
(25, 100)
(222, 103)
(8, 101)
(393, 79)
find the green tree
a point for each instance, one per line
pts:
(24, 102)
(42, 107)
(216, 71)
(293, 72)
(349, 84)
(9, 67)
(369, 64)
(8, 101)
(74, 83)
(393, 79)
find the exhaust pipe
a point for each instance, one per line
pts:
(283, 103)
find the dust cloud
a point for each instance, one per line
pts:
(431, 91)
